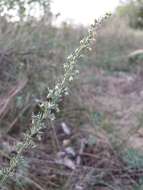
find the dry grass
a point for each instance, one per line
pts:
(101, 110)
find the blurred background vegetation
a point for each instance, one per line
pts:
(32, 52)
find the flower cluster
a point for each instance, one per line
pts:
(48, 109)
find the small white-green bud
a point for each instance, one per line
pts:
(70, 79)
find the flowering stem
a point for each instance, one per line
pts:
(49, 107)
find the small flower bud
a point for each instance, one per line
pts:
(70, 79)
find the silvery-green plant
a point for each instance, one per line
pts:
(48, 108)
